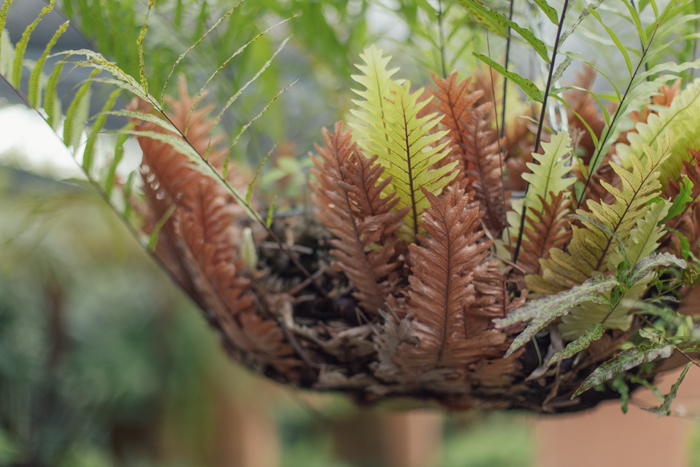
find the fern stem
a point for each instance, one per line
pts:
(541, 124)
(441, 32)
(602, 141)
(500, 131)
(695, 42)
(505, 79)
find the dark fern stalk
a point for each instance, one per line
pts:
(441, 32)
(505, 79)
(541, 122)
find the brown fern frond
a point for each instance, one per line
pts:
(483, 163)
(545, 232)
(441, 289)
(492, 301)
(204, 223)
(663, 98)
(587, 108)
(198, 244)
(519, 139)
(345, 199)
(475, 144)
(455, 102)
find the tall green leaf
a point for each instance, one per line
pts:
(21, 46)
(35, 78)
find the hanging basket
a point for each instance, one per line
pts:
(357, 297)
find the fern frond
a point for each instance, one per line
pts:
(377, 82)
(404, 142)
(546, 231)
(454, 102)
(204, 224)
(678, 121)
(591, 246)
(198, 244)
(351, 207)
(548, 182)
(581, 317)
(643, 241)
(441, 290)
(475, 144)
(549, 176)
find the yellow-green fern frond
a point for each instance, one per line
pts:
(591, 246)
(641, 243)
(549, 175)
(679, 120)
(377, 82)
(643, 239)
(404, 142)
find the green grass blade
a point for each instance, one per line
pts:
(233, 98)
(249, 193)
(492, 20)
(118, 156)
(247, 125)
(128, 189)
(166, 125)
(616, 40)
(181, 57)
(69, 127)
(35, 77)
(525, 84)
(270, 213)
(96, 128)
(22, 45)
(550, 12)
(637, 22)
(3, 18)
(499, 24)
(52, 106)
(139, 42)
(223, 65)
(153, 239)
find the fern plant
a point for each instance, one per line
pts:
(452, 244)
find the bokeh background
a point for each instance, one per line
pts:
(104, 362)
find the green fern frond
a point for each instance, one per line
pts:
(549, 176)
(591, 246)
(581, 317)
(377, 82)
(641, 243)
(679, 120)
(404, 142)
(643, 239)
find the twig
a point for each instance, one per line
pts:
(306, 282)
